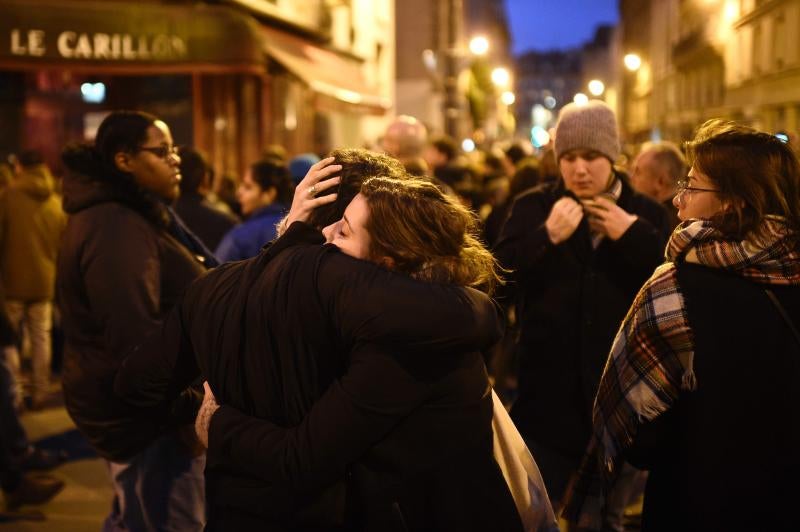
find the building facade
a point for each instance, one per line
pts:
(229, 77)
(546, 81)
(734, 59)
(433, 57)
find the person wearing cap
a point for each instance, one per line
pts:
(577, 250)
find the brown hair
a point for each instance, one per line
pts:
(755, 172)
(357, 165)
(427, 234)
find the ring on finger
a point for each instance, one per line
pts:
(312, 191)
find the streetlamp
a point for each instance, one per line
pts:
(501, 77)
(508, 98)
(580, 98)
(632, 62)
(479, 45)
(597, 87)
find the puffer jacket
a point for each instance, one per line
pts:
(31, 224)
(119, 273)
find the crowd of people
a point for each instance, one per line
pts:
(320, 351)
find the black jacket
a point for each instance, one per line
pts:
(725, 457)
(271, 333)
(119, 274)
(571, 300)
(204, 220)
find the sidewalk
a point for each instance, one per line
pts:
(84, 503)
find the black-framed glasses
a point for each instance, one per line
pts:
(161, 152)
(683, 186)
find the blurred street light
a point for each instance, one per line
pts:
(632, 62)
(580, 98)
(597, 87)
(550, 102)
(508, 98)
(501, 77)
(429, 60)
(539, 136)
(479, 45)
(468, 145)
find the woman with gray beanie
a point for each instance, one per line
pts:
(578, 250)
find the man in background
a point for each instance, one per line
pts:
(208, 223)
(656, 172)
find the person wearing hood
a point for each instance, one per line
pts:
(31, 224)
(126, 259)
(700, 387)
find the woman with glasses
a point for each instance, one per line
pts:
(701, 383)
(124, 261)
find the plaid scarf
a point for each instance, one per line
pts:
(651, 360)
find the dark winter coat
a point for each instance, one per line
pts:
(272, 333)
(119, 273)
(205, 221)
(570, 300)
(724, 457)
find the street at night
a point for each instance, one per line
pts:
(413, 265)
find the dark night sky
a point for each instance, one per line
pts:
(550, 24)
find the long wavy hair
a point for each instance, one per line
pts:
(426, 233)
(120, 131)
(755, 172)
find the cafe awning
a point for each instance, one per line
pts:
(128, 35)
(329, 74)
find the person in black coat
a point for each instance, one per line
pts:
(578, 251)
(309, 313)
(125, 261)
(207, 222)
(700, 388)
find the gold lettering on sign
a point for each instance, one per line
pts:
(65, 43)
(16, 45)
(27, 43)
(36, 43)
(127, 47)
(102, 46)
(84, 48)
(116, 46)
(142, 51)
(109, 46)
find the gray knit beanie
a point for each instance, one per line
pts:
(589, 126)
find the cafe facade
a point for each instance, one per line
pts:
(226, 79)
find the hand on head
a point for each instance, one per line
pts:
(307, 193)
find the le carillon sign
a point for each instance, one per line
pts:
(121, 32)
(97, 45)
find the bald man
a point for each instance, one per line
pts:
(656, 172)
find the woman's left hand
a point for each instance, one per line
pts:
(307, 193)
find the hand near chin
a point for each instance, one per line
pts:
(563, 219)
(307, 194)
(608, 218)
